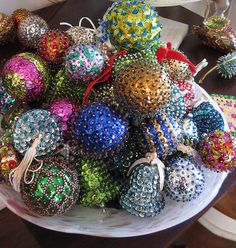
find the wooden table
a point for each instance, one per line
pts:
(15, 232)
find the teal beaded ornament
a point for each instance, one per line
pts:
(207, 119)
(34, 123)
(53, 190)
(226, 66)
(143, 196)
(97, 185)
(36, 133)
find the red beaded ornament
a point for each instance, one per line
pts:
(52, 46)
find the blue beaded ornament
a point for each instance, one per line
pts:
(184, 180)
(162, 134)
(207, 119)
(6, 101)
(34, 123)
(100, 130)
(176, 106)
(143, 197)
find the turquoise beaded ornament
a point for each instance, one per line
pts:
(144, 196)
(34, 123)
(207, 119)
(36, 133)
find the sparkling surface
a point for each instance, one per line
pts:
(63, 108)
(163, 134)
(20, 15)
(218, 151)
(52, 46)
(142, 197)
(6, 101)
(97, 185)
(184, 180)
(207, 119)
(143, 88)
(84, 62)
(62, 87)
(8, 160)
(33, 123)
(81, 35)
(176, 105)
(26, 77)
(7, 28)
(99, 130)
(30, 30)
(188, 91)
(133, 24)
(54, 189)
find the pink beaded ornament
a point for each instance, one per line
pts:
(218, 151)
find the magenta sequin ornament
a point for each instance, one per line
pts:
(63, 108)
(218, 151)
(26, 77)
(84, 62)
(188, 92)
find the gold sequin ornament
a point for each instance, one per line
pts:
(20, 15)
(7, 28)
(143, 88)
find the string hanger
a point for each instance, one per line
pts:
(151, 158)
(93, 29)
(23, 168)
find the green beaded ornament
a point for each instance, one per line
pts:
(53, 190)
(97, 186)
(64, 88)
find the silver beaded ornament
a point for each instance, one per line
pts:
(184, 180)
(30, 30)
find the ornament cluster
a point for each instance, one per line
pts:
(105, 118)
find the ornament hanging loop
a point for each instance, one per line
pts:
(151, 158)
(22, 169)
(94, 29)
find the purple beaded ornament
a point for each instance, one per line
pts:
(63, 108)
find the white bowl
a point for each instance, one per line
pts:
(118, 223)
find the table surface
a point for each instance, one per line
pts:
(15, 232)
